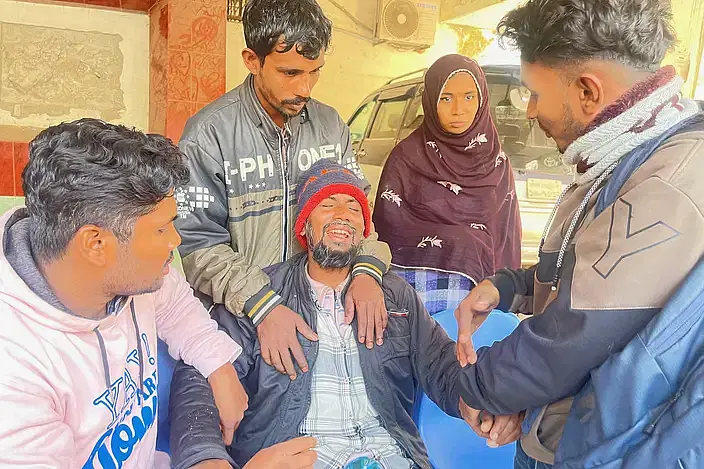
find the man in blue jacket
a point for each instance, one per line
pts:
(623, 236)
(357, 402)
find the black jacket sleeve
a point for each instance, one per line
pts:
(515, 286)
(549, 356)
(433, 356)
(195, 424)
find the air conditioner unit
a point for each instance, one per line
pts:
(408, 22)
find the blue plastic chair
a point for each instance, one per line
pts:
(451, 443)
(165, 371)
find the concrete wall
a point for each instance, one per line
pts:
(699, 92)
(354, 65)
(688, 18)
(62, 62)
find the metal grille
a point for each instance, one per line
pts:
(234, 9)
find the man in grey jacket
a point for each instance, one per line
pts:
(357, 402)
(245, 151)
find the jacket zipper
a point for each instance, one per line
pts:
(337, 301)
(399, 441)
(650, 429)
(284, 181)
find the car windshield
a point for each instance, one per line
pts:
(524, 142)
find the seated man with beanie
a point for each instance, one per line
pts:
(356, 402)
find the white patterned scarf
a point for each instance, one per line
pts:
(644, 120)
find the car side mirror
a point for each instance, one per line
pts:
(519, 98)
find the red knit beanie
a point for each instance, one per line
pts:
(323, 179)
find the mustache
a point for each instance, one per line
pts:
(295, 101)
(340, 223)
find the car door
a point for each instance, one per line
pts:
(359, 122)
(359, 129)
(382, 132)
(414, 115)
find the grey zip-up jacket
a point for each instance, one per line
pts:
(416, 352)
(236, 215)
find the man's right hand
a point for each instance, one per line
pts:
(497, 430)
(293, 454)
(278, 340)
(470, 314)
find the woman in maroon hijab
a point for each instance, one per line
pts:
(446, 201)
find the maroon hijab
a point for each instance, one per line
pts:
(446, 201)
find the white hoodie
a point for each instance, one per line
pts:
(82, 393)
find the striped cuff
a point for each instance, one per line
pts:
(369, 265)
(261, 304)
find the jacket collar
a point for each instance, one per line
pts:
(291, 278)
(256, 113)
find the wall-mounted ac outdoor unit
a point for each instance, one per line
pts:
(408, 22)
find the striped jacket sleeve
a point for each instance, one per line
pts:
(211, 265)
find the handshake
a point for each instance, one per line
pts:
(498, 430)
(471, 313)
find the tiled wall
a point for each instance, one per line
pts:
(13, 158)
(139, 5)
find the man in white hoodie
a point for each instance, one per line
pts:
(85, 290)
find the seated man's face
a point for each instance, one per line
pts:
(334, 231)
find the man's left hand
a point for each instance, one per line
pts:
(498, 430)
(230, 398)
(365, 296)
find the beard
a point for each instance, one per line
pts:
(124, 280)
(571, 129)
(280, 106)
(328, 257)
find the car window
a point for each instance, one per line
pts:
(358, 124)
(414, 117)
(388, 119)
(498, 92)
(525, 144)
(415, 113)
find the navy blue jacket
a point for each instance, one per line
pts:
(416, 352)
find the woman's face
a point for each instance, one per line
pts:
(459, 103)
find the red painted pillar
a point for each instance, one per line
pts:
(13, 158)
(187, 61)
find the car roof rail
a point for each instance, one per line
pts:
(514, 70)
(407, 76)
